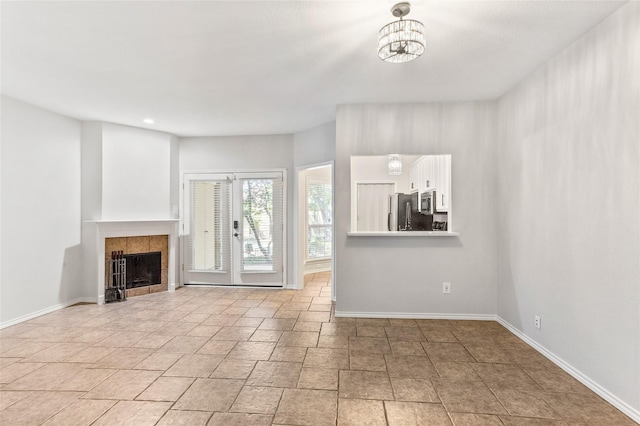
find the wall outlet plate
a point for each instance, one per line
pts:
(446, 287)
(536, 322)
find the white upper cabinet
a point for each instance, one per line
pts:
(433, 172)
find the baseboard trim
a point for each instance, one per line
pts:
(46, 311)
(402, 315)
(575, 373)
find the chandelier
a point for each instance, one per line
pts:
(395, 165)
(402, 40)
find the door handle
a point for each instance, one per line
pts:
(235, 234)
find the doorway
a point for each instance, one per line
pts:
(314, 225)
(234, 229)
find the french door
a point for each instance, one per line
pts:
(233, 229)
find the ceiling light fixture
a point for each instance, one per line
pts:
(148, 120)
(395, 165)
(402, 40)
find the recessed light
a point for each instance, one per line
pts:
(149, 120)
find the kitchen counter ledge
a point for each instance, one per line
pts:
(403, 234)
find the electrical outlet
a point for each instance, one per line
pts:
(536, 322)
(446, 288)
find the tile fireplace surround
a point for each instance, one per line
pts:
(140, 234)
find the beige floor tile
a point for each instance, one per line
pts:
(585, 407)
(415, 413)
(456, 370)
(239, 419)
(266, 336)
(91, 354)
(184, 344)
(525, 404)
(286, 314)
(237, 334)
(468, 419)
(17, 370)
(335, 342)
(8, 398)
(374, 322)
(57, 352)
(307, 407)
(307, 326)
(505, 376)
(488, 353)
(139, 413)
(204, 331)
(377, 345)
(414, 390)
(447, 352)
(356, 412)
(260, 312)
(399, 347)
(253, 351)
(288, 354)
(158, 361)
(152, 341)
(123, 339)
(468, 396)
(410, 366)
(123, 384)
(282, 324)
(318, 378)
(233, 369)
(184, 418)
(166, 389)
(338, 329)
(126, 358)
(217, 347)
(439, 336)
(405, 334)
(367, 361)
(86, 379)
(327, 358)
(553, 379)
(303, 339)
(37, 407)
(314, 316)
(275, 374)
(210, 395)
(22, 348)
(46, 377)
(364, 385)
(197, 365)
(257, 400)
(248, 322)
(80, 413)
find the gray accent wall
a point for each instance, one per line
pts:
(396, 276)
(569, 205)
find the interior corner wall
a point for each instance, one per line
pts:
(41, 252)
(314, 146)
(136, 173)
(243, 153)
(395, 276)
(569, 206)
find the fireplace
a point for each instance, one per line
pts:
(146, 259)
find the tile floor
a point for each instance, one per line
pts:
(236, 356)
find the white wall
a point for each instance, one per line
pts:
(41, 253)
(569, 203)
(136, 173)
(244, 153)
(314, 146)
(395, 275)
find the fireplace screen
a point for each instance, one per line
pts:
(143, 269)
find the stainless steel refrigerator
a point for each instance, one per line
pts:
(404, 214)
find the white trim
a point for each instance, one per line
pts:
(46, 311)
(402, 234)
(404, 315)
(575, 373)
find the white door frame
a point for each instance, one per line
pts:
(285, 200)
(299, 240)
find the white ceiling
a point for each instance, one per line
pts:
(267, 67)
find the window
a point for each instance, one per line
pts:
(319, 212)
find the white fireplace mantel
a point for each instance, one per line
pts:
(131, 228)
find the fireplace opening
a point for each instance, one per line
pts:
(143, 269)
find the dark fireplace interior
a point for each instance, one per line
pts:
(143, 269)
